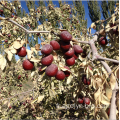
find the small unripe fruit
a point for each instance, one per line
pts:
(70, 61)
(47, 60)
(23, 103)
(65, 36)
(70, 52)
(19, 76)
(38, 34)
(67, 73)
(86, 101)
(47, 49)
(22, 52)
(55, 45)
(60, 75)
(28, 65)
(6, 41)
(9, 35)
(65, 45)
(12, 16)
(102, 41)
(51, 70)
(77, 49)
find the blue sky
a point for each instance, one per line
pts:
(23, 4)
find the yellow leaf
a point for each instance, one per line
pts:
(33, 49)
(3, 62)
(112, 81)
(93, 26)
(102, 32)
(9, 56)
(113, 19)
(108, 91)
(29, 53)
(105, 100)
(35, 60)
(69, 79)
(17, 45)
(97, 94)
(43, 43)
(40, 98)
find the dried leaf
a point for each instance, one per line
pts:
(33, 49)
(32, 73)
(43, 43)
(112, 81)
(93, 26)
(22, 42)
(97, 94)
(37, 47)
(117, 72)
(108, 91)
(105, 100)
(3, 62)
(102, 32)
(12, 50)
(40, 98)
(113, 19)
(35, 60)
(17, 45)
(29, 53)
(69, 79)
(104, 114)
(55, 55)
(9, 55)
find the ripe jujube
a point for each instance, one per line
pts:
(51, 70)
(102, 41)
(47, 60)
(70, 61)
(27, 65)
(65, 36)
(65, 45)
(77, 49)
(70, 52)
(22, 52)
(55, 45)
(60, 75)
(47, 49)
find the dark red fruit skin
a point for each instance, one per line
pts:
(70, 52)
(9, 35)
(70, 61)
(60, 75)
(75, 56)
(77, 49)
(6, 41)
(67, 73)
(65, 36)
(51, 70)
(65, 45)
(115, 31)
(28, 65)
(55, 45)
(19, 76)
(47, 60)
(80, 100)
(108, 111)
(87, 81)
(86, 101)
(22, 52)
(47, 49)
(38, 34)
(102, 41)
